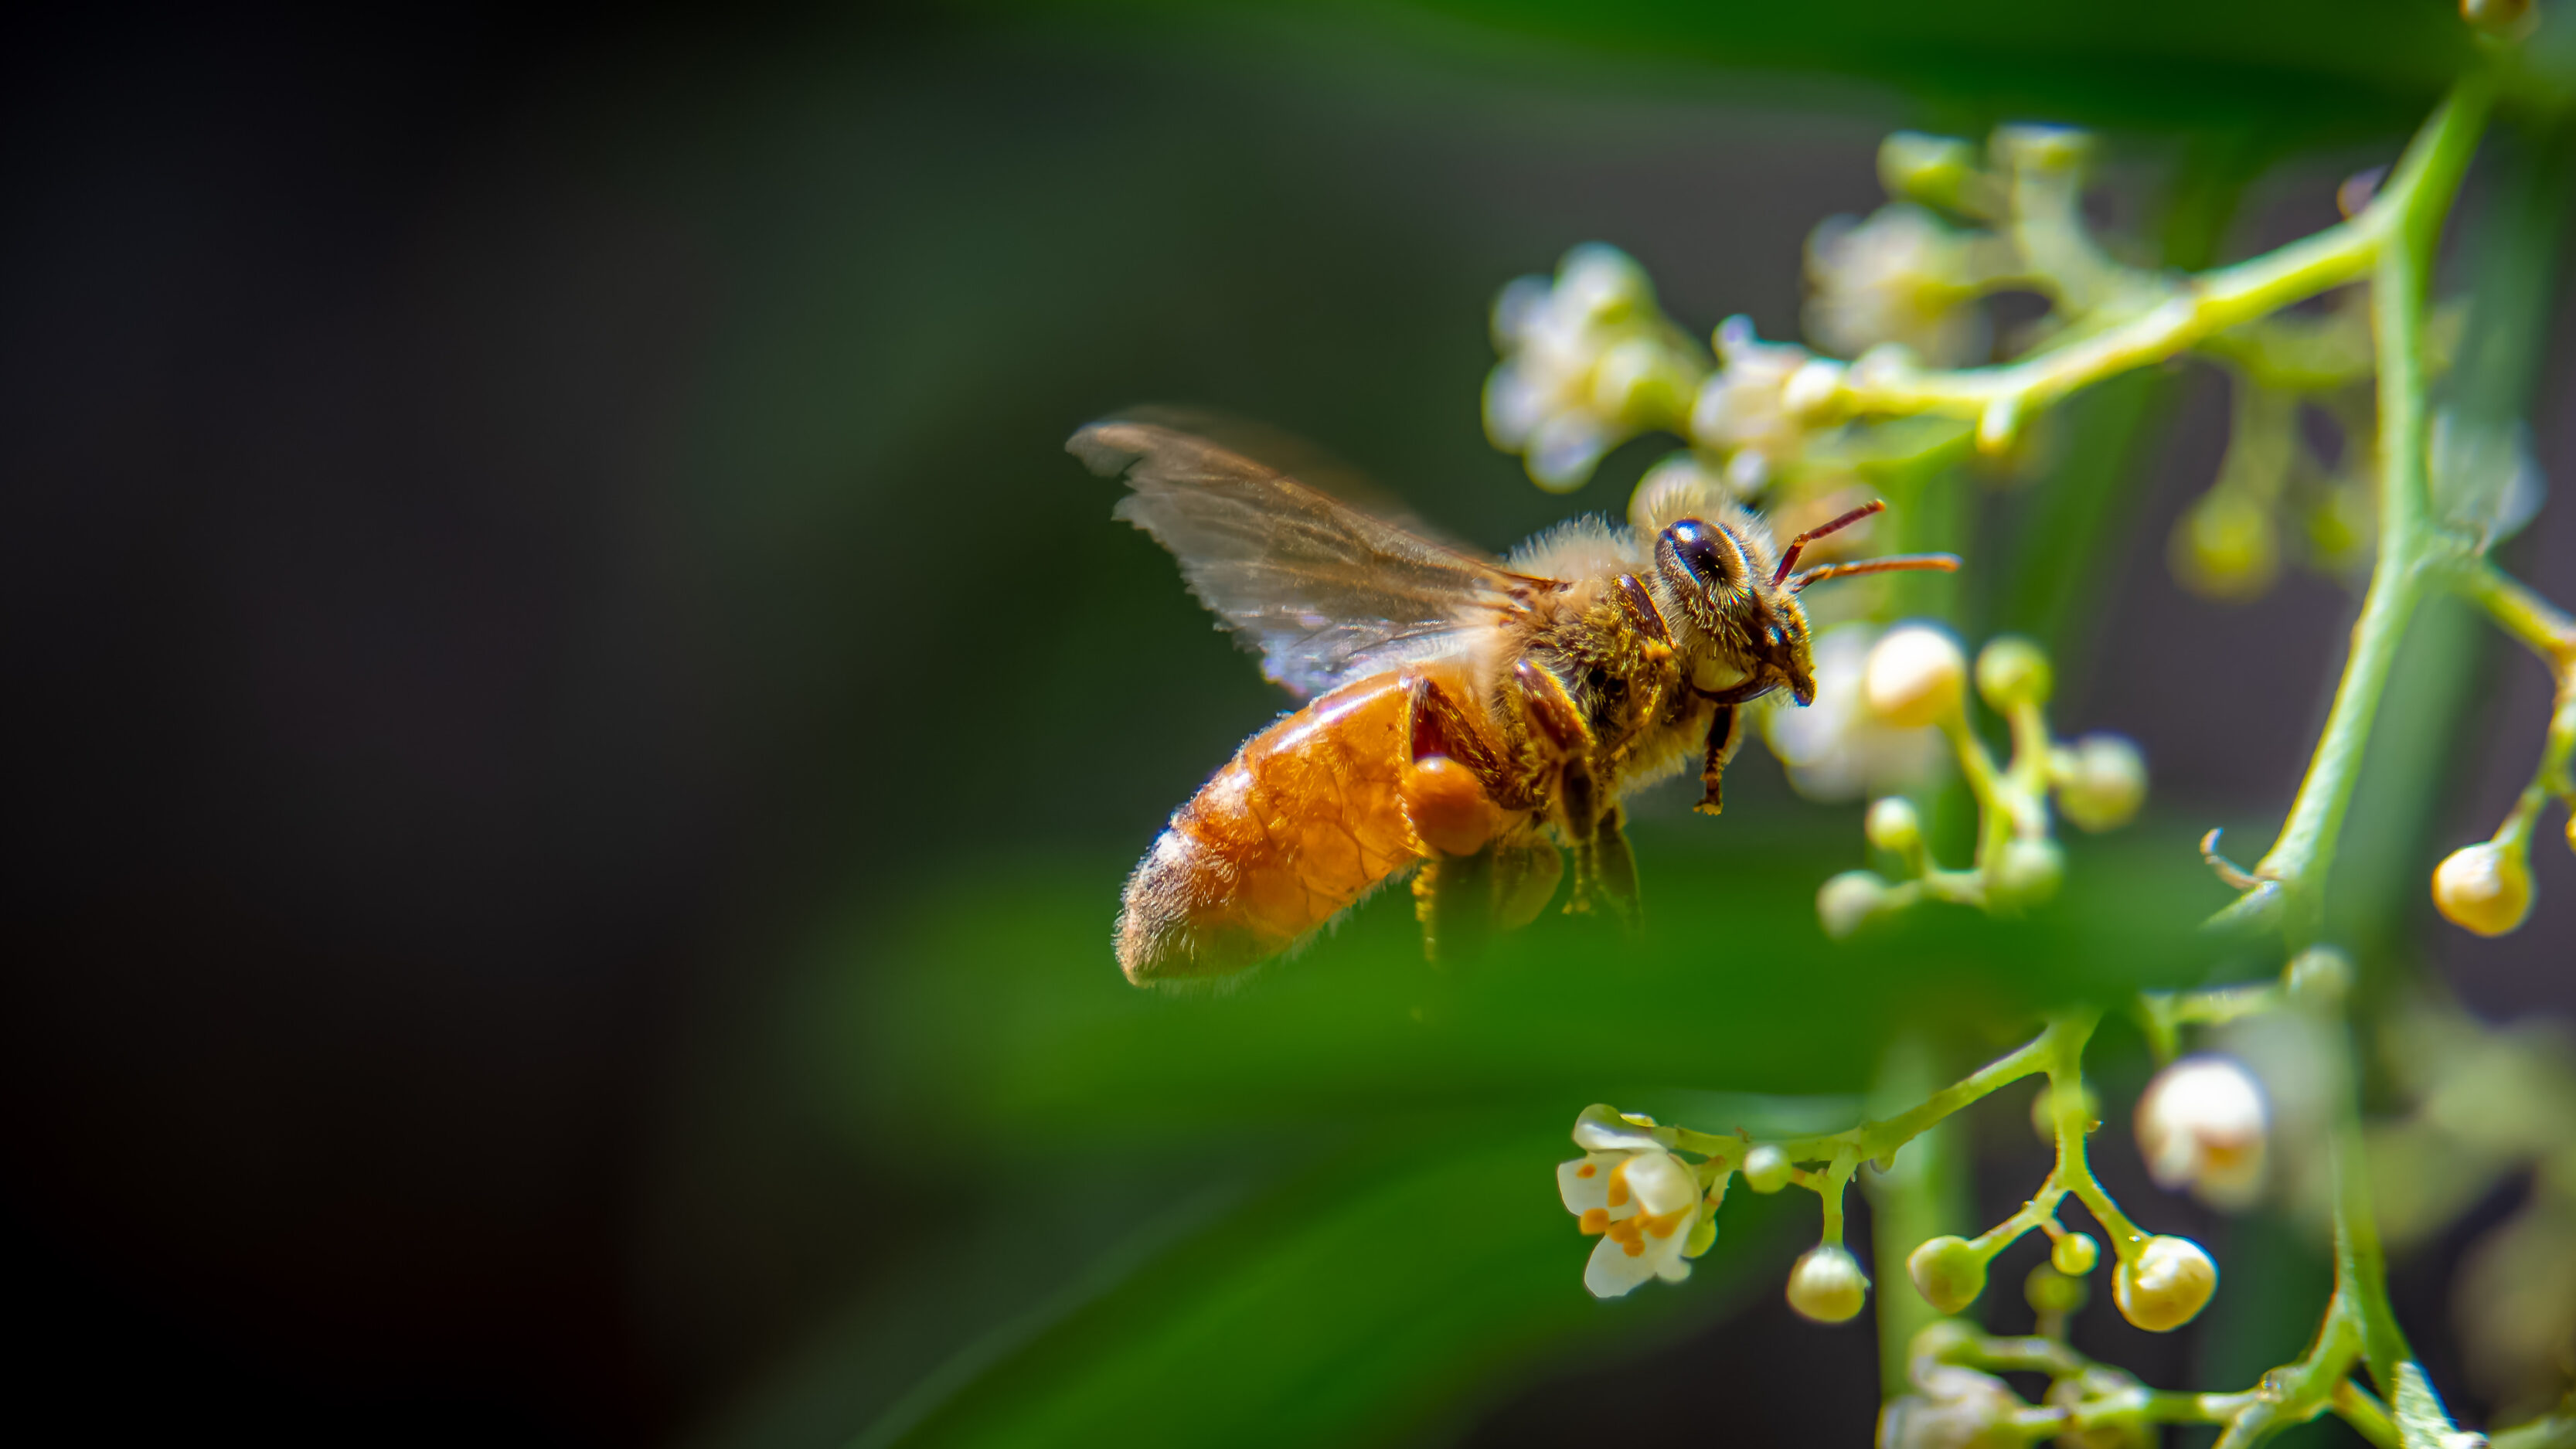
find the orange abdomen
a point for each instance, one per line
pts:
(1307, 817)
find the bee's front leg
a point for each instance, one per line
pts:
(1725, 732)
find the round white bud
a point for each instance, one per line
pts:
(2202, 1124)
(2101, 781)
(1916, 676)
(1766, 1169)
(2032, 871)
(2320, 974)
(2012, 670)
(1845, 903)
(1893, 826)
(2483, 888)
(2166, 1285)
(1827, 1285)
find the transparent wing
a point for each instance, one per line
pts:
(1323, 592)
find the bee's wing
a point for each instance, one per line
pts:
(1324, 592)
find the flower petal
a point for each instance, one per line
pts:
(1614, 1270)
(1585, 1182)
(1600, 1128)
(1661, 1183)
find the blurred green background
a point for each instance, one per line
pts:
(582, 734)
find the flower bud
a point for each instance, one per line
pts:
(2050, 1291)
(2202, 1124)
(1703, 1235)
(2484, 888)
(1827, 1285)
(2012, 670)
(1766, 1169)
(2226, 547)
(2101, 780)
(1893, 826)
(1935, 169)
(2074, 1254)
(1916, 676)
(2320, 976)
(1600, 282)
(2166, 1285)
(2032, 871)
(1947, 1272)
(2042, 148)
(1845, 903)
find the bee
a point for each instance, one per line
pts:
(1476, 719)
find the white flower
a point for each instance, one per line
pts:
(1641, 1199)
(1588, 360)
(2203, 1125)
(1743, 411)
(1834, 748)
(1955, 1408)
(1902, 276)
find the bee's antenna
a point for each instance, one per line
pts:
(1947, 563)
(1789, 560)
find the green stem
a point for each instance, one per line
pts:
(2407, 221)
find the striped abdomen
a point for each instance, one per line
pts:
(1310, 814)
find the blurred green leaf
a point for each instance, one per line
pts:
(996, 1006)
(1358, 1303)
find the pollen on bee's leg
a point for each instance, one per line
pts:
(1447, 806)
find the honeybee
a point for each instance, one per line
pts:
(1464, 715)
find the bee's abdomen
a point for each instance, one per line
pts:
(1301, 824)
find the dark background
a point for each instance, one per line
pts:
(521, 532)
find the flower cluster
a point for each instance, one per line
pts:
(1654, 1209)
(1903, 376)
(1915, 678)
(1588, 361)
(2274, 498)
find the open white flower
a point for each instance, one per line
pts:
(1835, 748)
(1902, 276)
(1588, 361)
(1641, 1199)
(1743, 412)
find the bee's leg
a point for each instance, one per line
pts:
(1544, 700)
(1454, 897)
(1615, 866)
(1725, 732)
(1446, 780)
(1526, 872)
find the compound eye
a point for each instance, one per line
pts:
(1696, 545)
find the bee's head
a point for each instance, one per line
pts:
(1726, 583)
(1744, 603)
